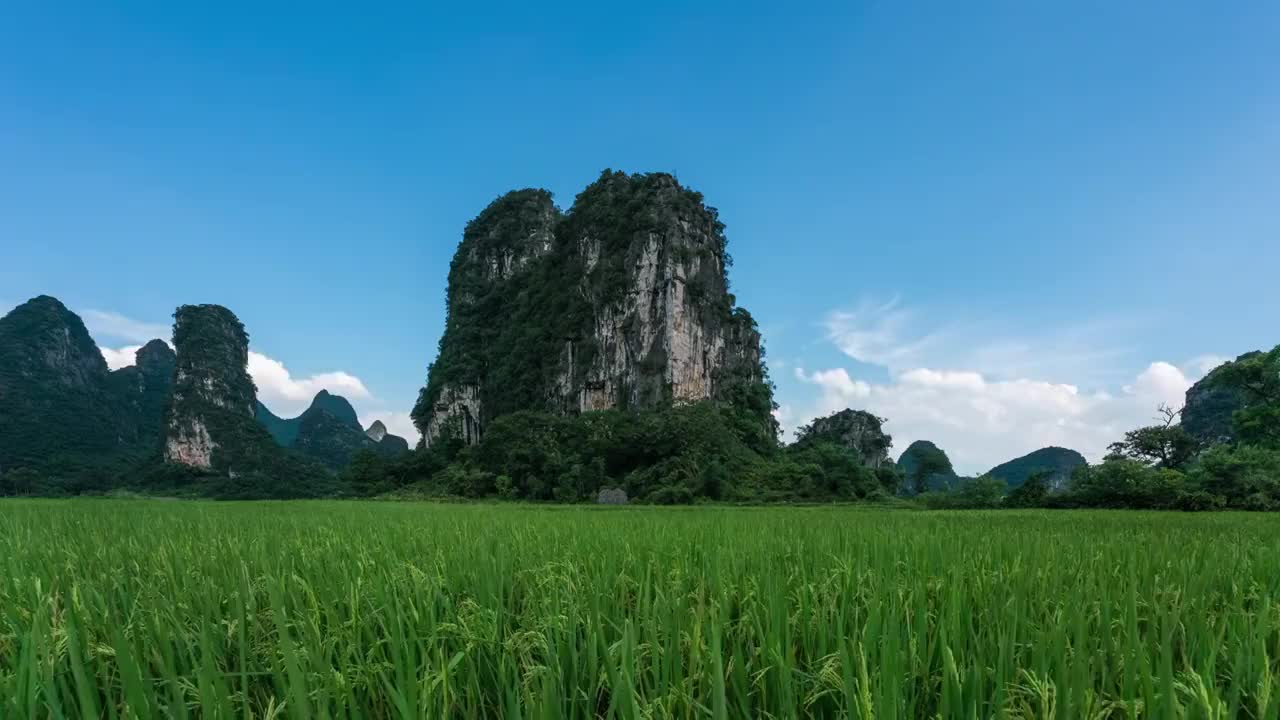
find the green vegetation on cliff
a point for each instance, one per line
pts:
(569, 312)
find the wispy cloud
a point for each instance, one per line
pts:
(894, 336)
(881, 333)
(114, 326)
(287, 395)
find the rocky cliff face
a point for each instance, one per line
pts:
(622, 302)
(1210, 405)
(213, 396)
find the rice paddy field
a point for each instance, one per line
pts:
(155, 609)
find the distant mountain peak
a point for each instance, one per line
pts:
(335, 405)
(376, 431)
(1060, 462)
(155, 357)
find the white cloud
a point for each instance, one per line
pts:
(115, 326)
(120, 357)
(981, 422)
(837, 383)
(288, 396)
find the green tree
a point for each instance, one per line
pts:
(1031, 493)
(1258, 376)
(1120, 482)
(1245, 476)
(976, 494)
(1167, 444)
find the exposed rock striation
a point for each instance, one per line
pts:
(623, 302)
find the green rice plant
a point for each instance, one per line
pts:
(155, 609)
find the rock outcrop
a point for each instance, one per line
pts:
(856, 430)
(611, 496)
(213, 396)
(376, 431)
(387, 444)
(622, 302)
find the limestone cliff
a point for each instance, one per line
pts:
(213, 395)
(622, 302)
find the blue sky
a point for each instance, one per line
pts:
(1001, 225)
